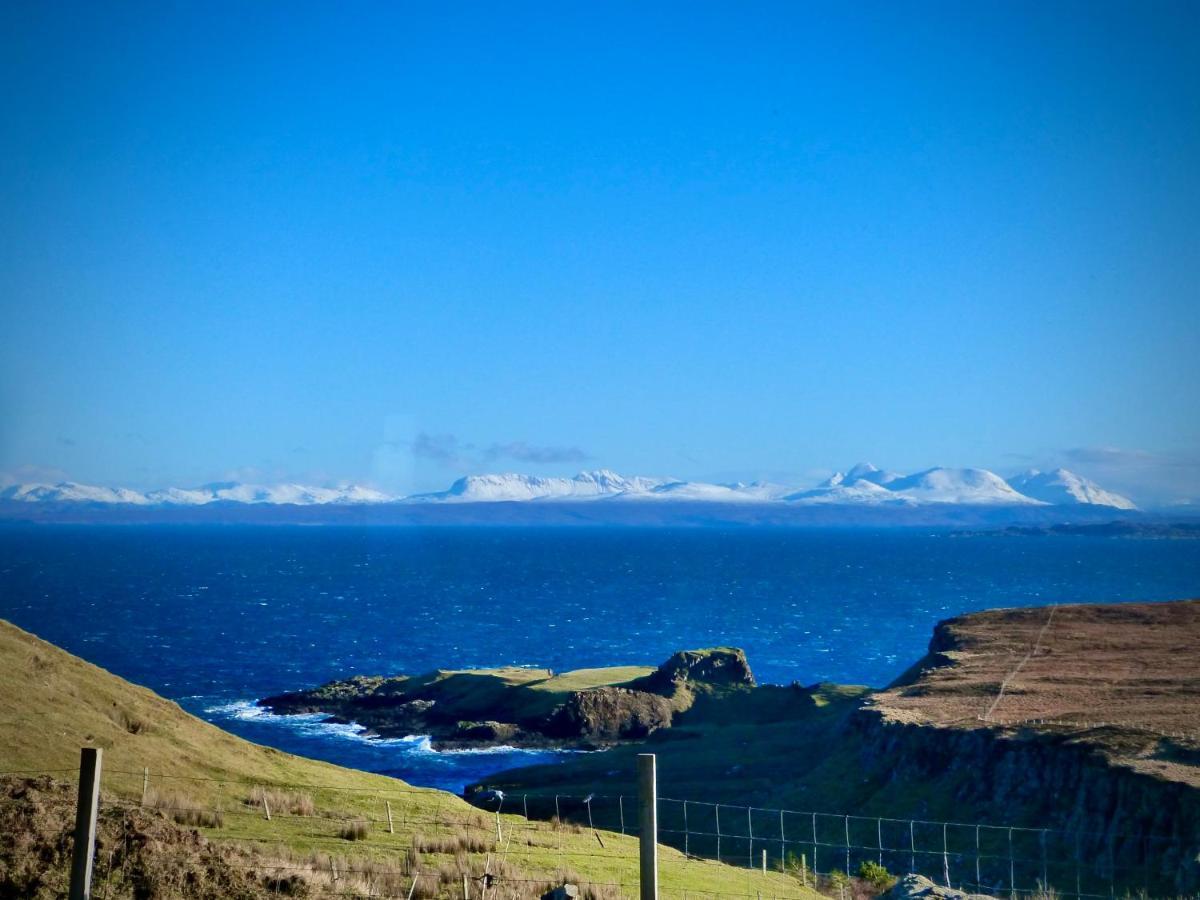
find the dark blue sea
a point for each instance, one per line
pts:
(216, 617)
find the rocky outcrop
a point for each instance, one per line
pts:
(918, 887)
(520, 706)
(721, 667)
(485, 732)
(609, 714)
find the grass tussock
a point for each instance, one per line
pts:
(184, 810)
(355, 830)
(133, 724)
(287, 803)
(465, 841)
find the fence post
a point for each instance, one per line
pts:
(945, 858)
(879, 838)
(391, 827)
(621, 810)
(686, 852)
(846, 820)
(750, 832)
(648, 820)
(814, 824)
(912, 848)
(85, 823)
(145, 783)
(782, 844)
(718, 811)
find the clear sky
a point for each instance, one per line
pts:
(394, 243)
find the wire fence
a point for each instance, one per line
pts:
(391, 842)
(423, 843)
(1002, 860)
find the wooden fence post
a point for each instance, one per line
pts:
(85, 823)
(648, 816)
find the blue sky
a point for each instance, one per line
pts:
(392, 243)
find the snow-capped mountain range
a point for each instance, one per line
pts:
(227, 491)
(862, 485)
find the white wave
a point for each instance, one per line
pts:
(318, 724)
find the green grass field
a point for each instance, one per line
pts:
(52, 703)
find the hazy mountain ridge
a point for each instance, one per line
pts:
(863, 485)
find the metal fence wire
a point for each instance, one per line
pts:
(531, 841)
(983, 858)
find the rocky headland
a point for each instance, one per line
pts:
(524, 707)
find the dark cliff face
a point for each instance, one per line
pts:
(1112, 819)
(608, 714)
(942, 642)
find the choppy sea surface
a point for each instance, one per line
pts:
(216, 617)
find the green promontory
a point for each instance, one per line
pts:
(528, 707)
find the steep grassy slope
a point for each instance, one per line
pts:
(322, 816)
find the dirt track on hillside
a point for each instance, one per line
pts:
(1123, 676)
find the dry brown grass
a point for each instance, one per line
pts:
(184, 810)
(355, 830)
(292, 803)
(470, 840)
(132, 723)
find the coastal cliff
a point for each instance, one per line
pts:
(1079, 722)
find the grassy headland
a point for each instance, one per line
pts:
(529, 707)
(322, 816)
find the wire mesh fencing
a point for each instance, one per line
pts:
(983, 858)
(400, 841)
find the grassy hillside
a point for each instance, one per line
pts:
(769, 747)
(322, 816)
(538, 691)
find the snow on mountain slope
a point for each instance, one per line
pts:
(71, 492)
(975, 486)
(699, 491)
(867, 472)
(514, 487)
(837, 490)
(1064, 488)
(229, 492)
(864, 484)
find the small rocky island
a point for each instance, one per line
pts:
(520, 707)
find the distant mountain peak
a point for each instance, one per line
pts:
(864, 484)
(1063, 487)
(861, 470)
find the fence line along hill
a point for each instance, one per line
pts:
(180, 796)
